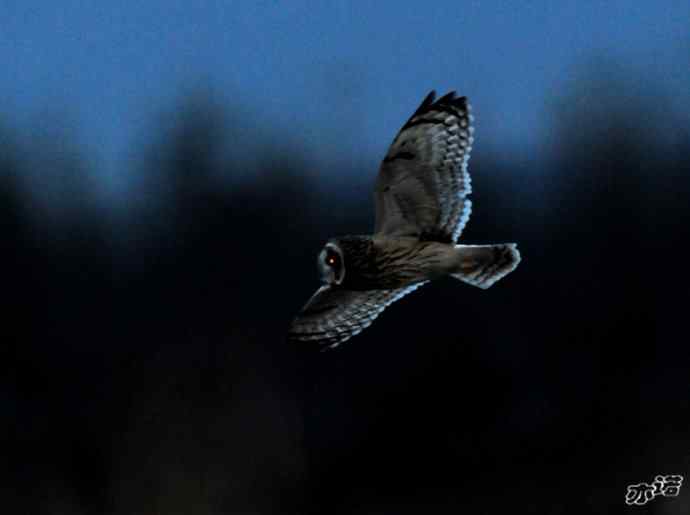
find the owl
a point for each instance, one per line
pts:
(422, 206)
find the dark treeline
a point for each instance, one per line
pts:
(144, 366)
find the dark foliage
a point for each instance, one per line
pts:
(145, 368)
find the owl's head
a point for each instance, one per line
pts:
(331, 263)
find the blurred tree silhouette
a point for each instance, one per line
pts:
(157, 379)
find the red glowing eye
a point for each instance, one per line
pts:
(332, 259)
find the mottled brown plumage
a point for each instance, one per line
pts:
(422, 206)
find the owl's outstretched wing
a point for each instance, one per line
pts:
(423, 183)
(334, 315)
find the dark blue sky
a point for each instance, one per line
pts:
(336, 78)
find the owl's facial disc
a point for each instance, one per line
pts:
(331, 264)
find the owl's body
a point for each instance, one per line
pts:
(380, 262)
(422, 205)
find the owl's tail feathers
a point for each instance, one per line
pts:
(483, 265)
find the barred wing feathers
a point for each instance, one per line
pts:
(423, 182)
(334, 315)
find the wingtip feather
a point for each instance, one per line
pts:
(428, 100)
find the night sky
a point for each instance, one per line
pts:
(334, 77)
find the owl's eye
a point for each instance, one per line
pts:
(331, 266)
(332, 259)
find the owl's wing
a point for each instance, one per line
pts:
(423, 183)
(334, 315)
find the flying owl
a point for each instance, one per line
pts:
(422, 206)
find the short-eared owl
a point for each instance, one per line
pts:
(422, 205)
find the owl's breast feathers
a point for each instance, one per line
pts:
(385, 263)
